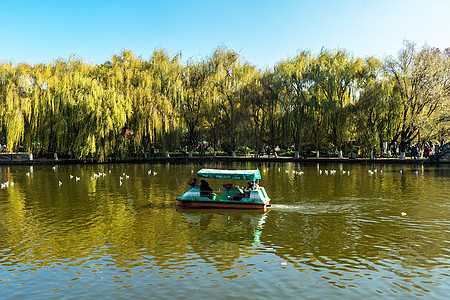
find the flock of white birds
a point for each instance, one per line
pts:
(124, 176)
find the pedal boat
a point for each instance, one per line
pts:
(231, 196)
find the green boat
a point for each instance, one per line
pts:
(252, 196)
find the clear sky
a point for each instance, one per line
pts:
(263, 32)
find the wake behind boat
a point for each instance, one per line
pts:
(252, 196)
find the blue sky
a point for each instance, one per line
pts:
(263, 32)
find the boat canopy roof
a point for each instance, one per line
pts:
(249, 175)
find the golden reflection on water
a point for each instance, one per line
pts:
(384, 233)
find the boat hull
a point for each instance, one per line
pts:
(221, 204)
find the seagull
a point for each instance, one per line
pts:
(59, 183)
(77, 178)
(120, 182)
(71, 176)
(403, 214)
(149, 172)
(154, 173)
(54, 168)
(28, 174)
(126, 176)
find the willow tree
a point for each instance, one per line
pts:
(372, 111)
(15, 103)
(230, 75)
(422, 81)
(165, 73)
(293, 83)
(149, 88)
(336, 75)
(81, 115)
(262, 126)
(195, 95)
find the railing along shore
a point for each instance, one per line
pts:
(24, 159)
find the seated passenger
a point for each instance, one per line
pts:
(193, 183)
(205, 189)
(245, 194)
(248, 189)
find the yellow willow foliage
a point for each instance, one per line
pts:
(15, 104)
(131, 103)
(149, 88)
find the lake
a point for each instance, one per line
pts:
(113, 231)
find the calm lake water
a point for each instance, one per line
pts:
(374, 231)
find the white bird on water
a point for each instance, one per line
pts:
(28, 174)
(77, 178)
(59, 183)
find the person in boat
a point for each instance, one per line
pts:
(205, 189)
(248, 189)
(245, 194)
(193, 184)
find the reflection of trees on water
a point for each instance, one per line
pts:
(355, 224)
(129, 225)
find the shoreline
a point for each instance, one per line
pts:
(201, 159)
